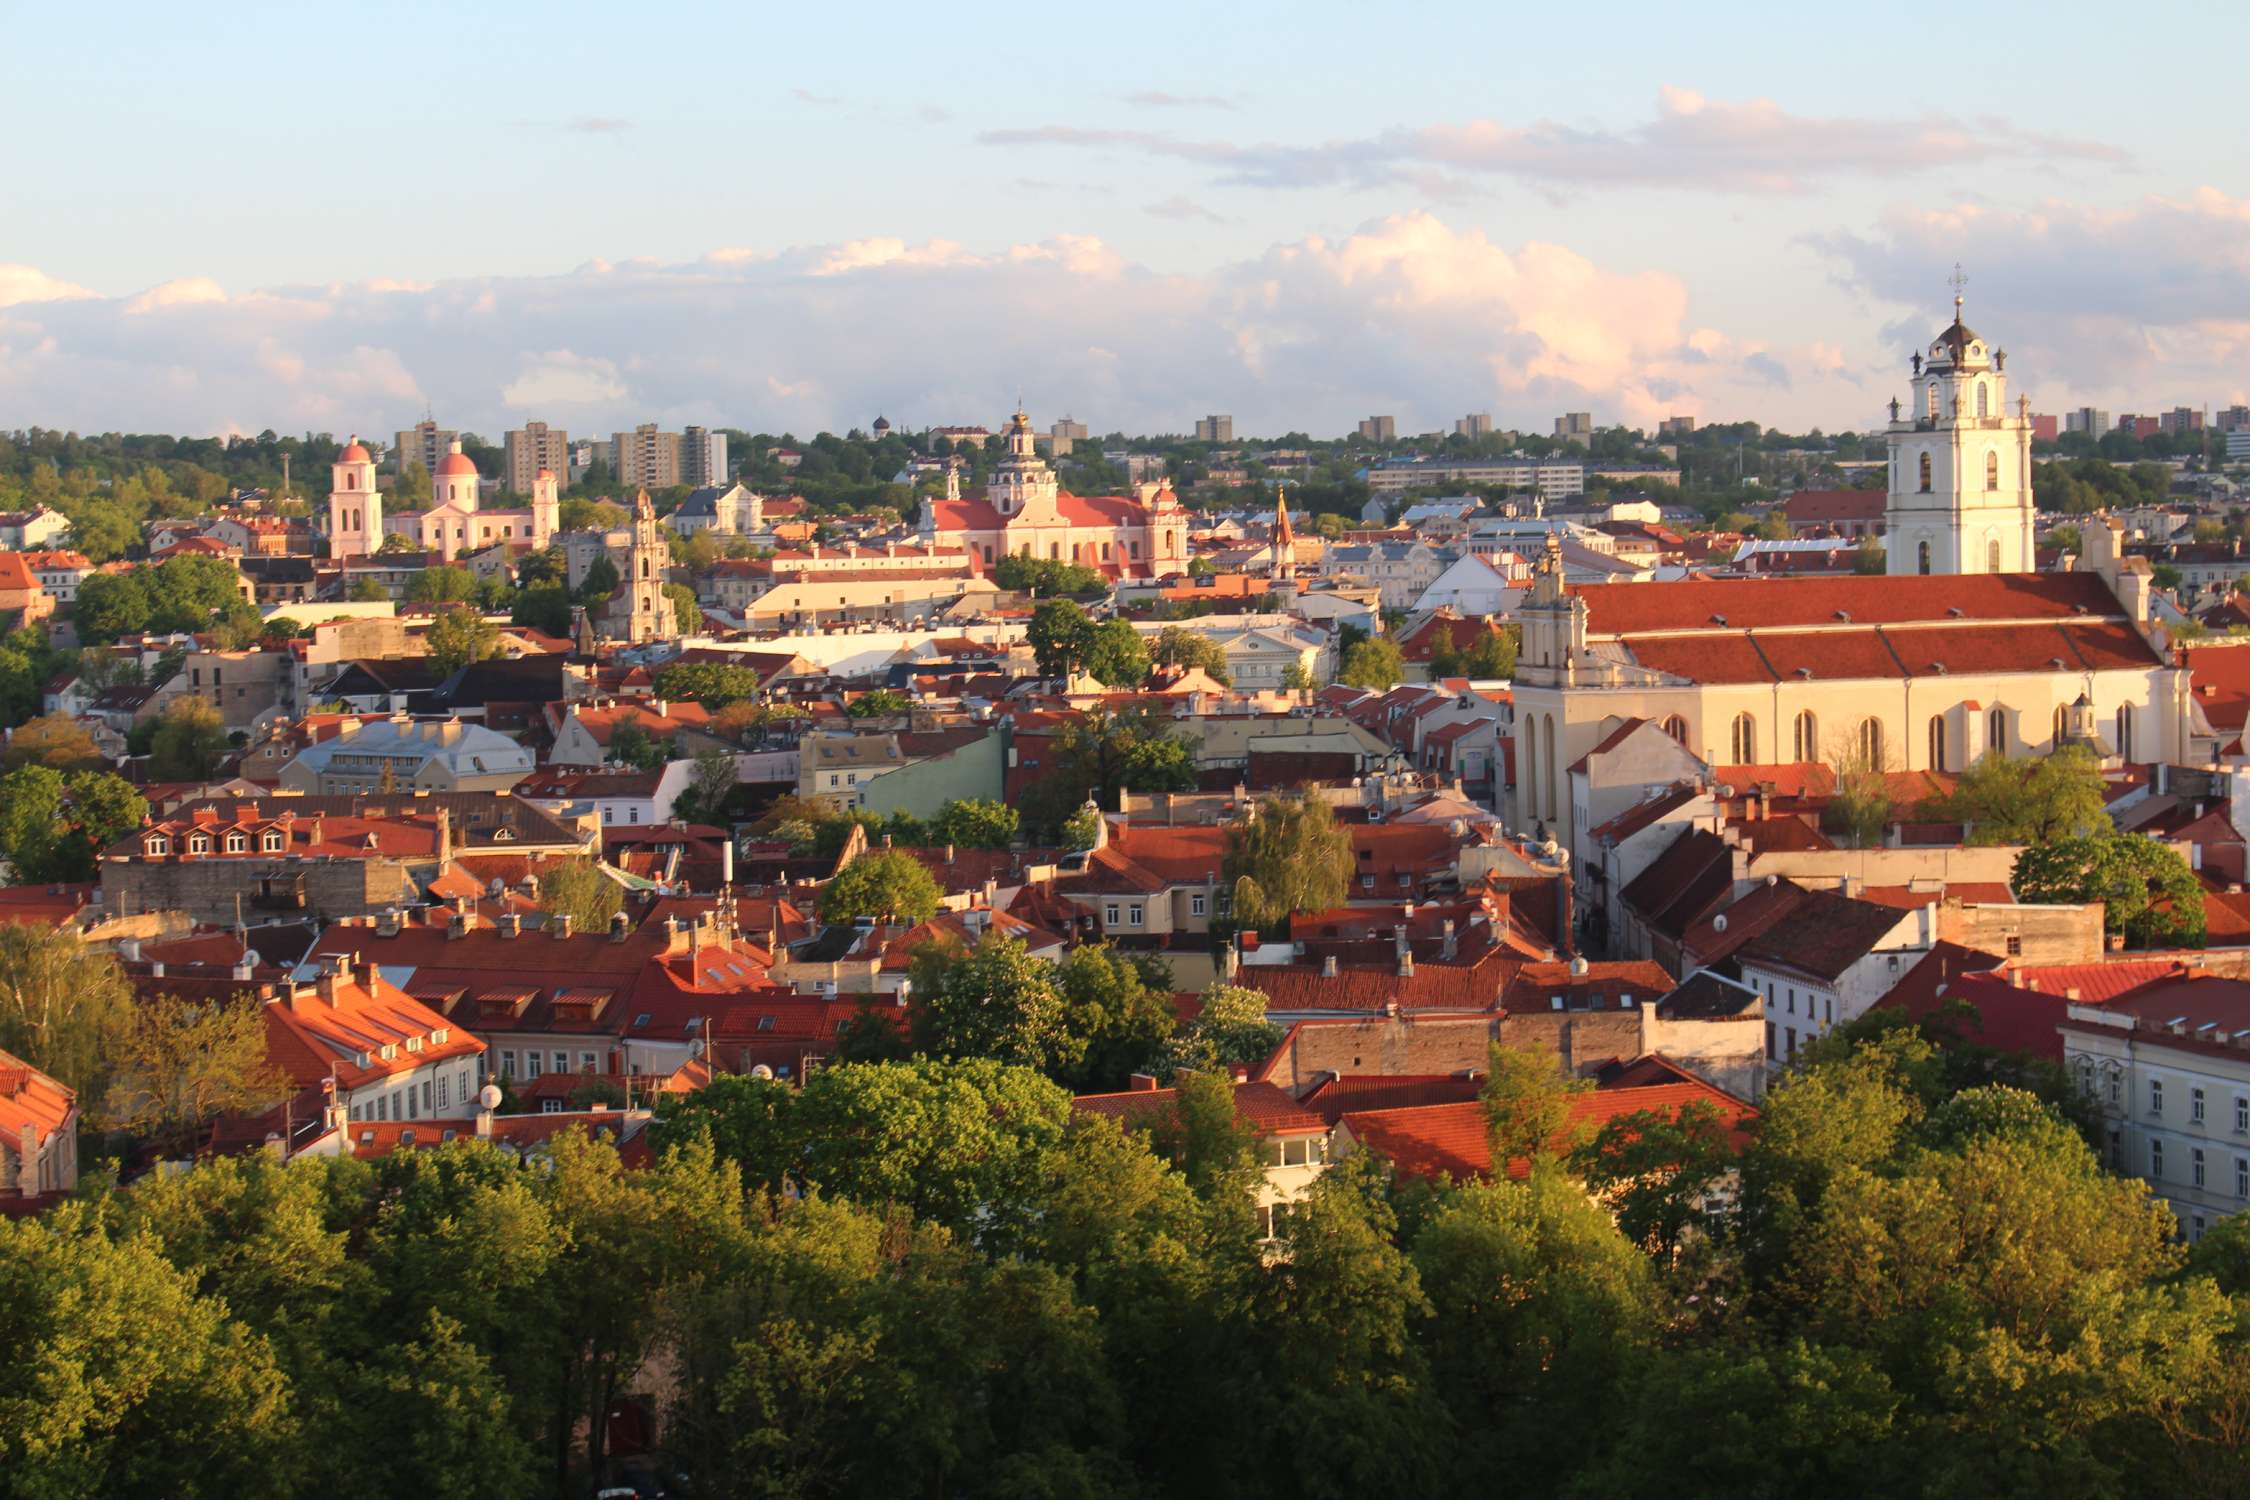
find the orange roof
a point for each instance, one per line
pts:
(1452, 1140)
(30, 1097)
(1770, 604)
(14, 575)
(345, 1032)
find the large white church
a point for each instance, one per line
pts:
(1963, 650)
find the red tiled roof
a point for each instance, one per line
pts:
(1615, 609)
(29, 1097)
(1823, 935)
(1821, 507)
(1333, 1098)
(1262, 1106)
(1452, 1140)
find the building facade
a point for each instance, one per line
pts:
(1960, 464)
(1024, 513)
(533, 447)
(457, 522)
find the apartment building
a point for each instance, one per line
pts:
(703, 457)
(646, 458)
(532, 447)
(425, 443)
(1379, 429)
(1215, 429)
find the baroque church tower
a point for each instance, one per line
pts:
(649, 613)
(1960, 464)
(355, 509)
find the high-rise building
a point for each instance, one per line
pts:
(425, 444)
(1675, 427)
(1960, 464)
(2045, 429)
(703, 457)
(2231, 418)
(1575, 427)
(2238, 445)
(2180, 419)
(645, 458)
(533, 447)
(2090, 420)
(1475, 424)
(1379, 429)
(1215, 429)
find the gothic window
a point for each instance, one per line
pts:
(1676, 727)
(1807, 746)
(1996, 732)
(2125, 730)
(1937, 743)
(1992, 471)
(1992, 554)
(1547, 756)
(1925, 480)
(1981, 409)
(1745, 744)
(1871, 743)
(1527, 774)
(1922, 552)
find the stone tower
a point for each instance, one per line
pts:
(647, 556)
(355, 509)
(1960, 464)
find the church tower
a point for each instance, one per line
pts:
(1960, 469)
(1022, 483)
(355, 510)
(646, 558)
(1284, 568)
(455, 482)
(546, 508)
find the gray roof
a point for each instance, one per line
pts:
(467, 749)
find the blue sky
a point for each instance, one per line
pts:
(331, 216)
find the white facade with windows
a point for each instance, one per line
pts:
(1960, 464)
(2175, 1100)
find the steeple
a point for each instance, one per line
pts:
(1284, 539)
(1960, 461)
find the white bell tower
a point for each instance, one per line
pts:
(355, 509)
(1960, 470)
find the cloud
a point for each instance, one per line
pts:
(19, 284)
(1407, 314)
(597, 125)
(1158, 99)
(191, 291)
(1753, 146)
(2140, 305)
(1180, 206)
(807, 96)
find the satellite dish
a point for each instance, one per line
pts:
(489, 1097)
(761, 1071)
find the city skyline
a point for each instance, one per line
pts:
(1132, 228)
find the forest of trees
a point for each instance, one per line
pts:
(934, 1278)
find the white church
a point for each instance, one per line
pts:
(1962, 650)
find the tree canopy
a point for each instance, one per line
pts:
(1288, 855)
(2030, 799)
(2147, 890)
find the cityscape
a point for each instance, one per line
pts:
(1222, 767)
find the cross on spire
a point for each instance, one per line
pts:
(1957, 280)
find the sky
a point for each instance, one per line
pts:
(334, 218)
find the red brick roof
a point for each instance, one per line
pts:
(1451, 1139)
(1826, 507)
(1262, 1106)
(30, 1097)
(1615, 609)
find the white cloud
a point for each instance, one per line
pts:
(190, 291)
(20, 284)
(1407, 314)
(2140, 306)
(1751, 146)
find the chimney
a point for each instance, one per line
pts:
(510, 924)
(1328, 966)
(620, 927)
(949, 854)
(129, 949)
(374, 977)
(456, 924)
(558, 925)
(326, 985)
(1141, 1083)
(1448, 951)
(726, 861)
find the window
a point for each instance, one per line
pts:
(1871, 743)
(1675, 726)
(1789, 1041)
(1196, 904)
(2242, 1177)
(1992, 555)
(1937, 742)
(2015, 945)
(2116, 1085)
(2156, 1096)
(1982, 398)
(1547, 759)
(1807, 737)
(200, 844)
(238, 843)
(507, 1065)
(1769, 1041)
(1932, 405)
(2156, 1160)
(2062, 723)
(531, 1062)
(2195, 1105)
(1745, 740)
(1133, 915)
(2241, 1115)
(444, 1091)
(271, 843)
(1922, 551)
(587, 1062)
(2195, 1165)
(1828, 1011)
(1792, 1001)
(1992, 477)
(1110, 914)
(2125, 730)
(562, 1062)
(1996, 732)
(1926, 460)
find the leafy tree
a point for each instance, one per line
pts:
(590, 515)
(189, 741)
(178, 1065)
(687, 614)
(543, 606)
(600, 582)
(1205, 1136)
(31, 814)
(1656, 1169)
(705, 798)
(1175, 647)
(368, 591)
(1493, 654)
(578, 889)
(882, 703)
(975, 823)
(998, 1001)
(61, 1006)
(1230, 1031)
(1061, 636)
(1296, 679)
(1289, 855)
(889, 884)
(1527, 1107)
(459, 637)
(448, 583)
(1115, 1017)
(712, 684)
(2147, 891)
(1083, 829)
(1102, 753)
(56, 741)
(1116, 655)
(631, 745)
(2030, 799)
(1859, 808)
(1373, 663)
(1046, 576)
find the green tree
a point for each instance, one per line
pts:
(1657, 1170)
(1115, 1017)
(460, 637)
(56, 741)
(631, 745)
(600, 582)
(687, 614)
(1230, 1031)
(580, 890)
(1295, 678)
(368, 591)
(2147, 890)
(31, 822)
(1373, 663)
(889, 884)
(448, 583)
(189, 741)
(178, 1065)
(1175, 647)
(1493, 655)
(1082, 830)
(975, 823)
(2030, 799)
(62, 1005)
(705, 798)
(542, 606)
(1116, 655)
(1289, 855)
(712, 684)
(880, 703)
(1061, 636)
(997, 1001)
(1528, 1111)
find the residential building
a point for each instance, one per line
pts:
(1845, 513)
(2087, 419)
(218, 860)
(1575, 427)
(1548, 480)
(1292, 1140)
(59, 573)
(38, 1134)
(21, 593)
(1379, 429)
(646, 458)
(1215, 429)
(532, 447)
(1827, 961)
(386, 1055)
(1475, 425)
(703, 457)
(403, 754)
(425, 444)
(2179, 421)
(30, 530)
(1671, 429)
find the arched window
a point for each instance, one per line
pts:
(2062, 722)
(1922, 551)
(2125, 730)
(1996, 732)
(1992, 554)
(1933, 409)
(1871, 743)
(1527, 771)
(200, 844)
(1808, 737)
(1925, 473)
(1992, 471)
(1745, 745)
(1547, 754)
(271, 842)
(237, 843)
(1676, 727)
(1937, 743)
(351, 481)
(1981, 409)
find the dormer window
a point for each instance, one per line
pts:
(271, 842)
(200, 844)
(237, 843)
(158, 844)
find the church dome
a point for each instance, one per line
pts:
(456, 462)
(355, 452)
